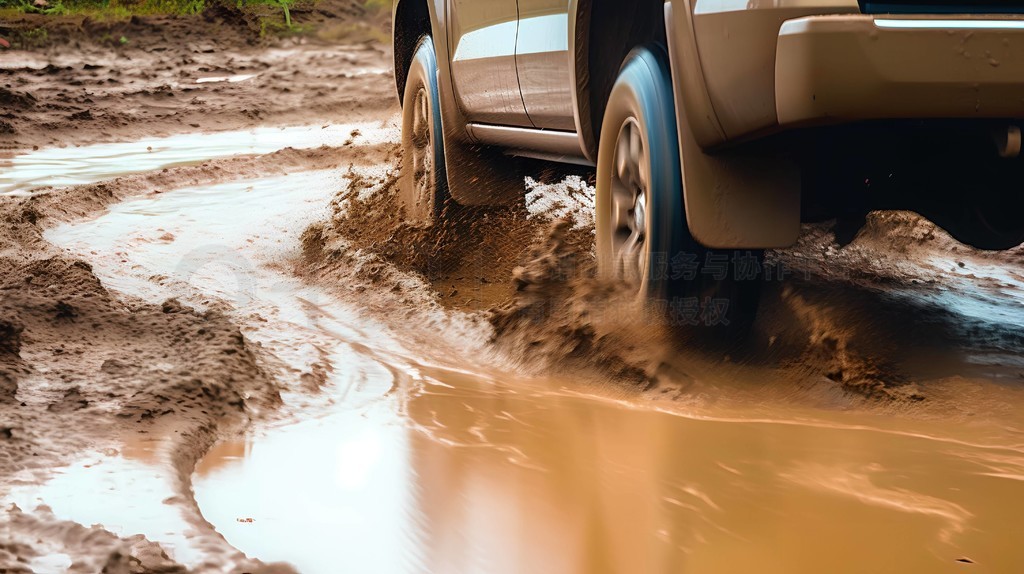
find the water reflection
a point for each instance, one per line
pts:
(404, 466)
(344, 508)
(513, 476)
(88, 164)
(129, 491)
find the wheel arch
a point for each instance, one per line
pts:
(594, 66)
(476, 176)
(733, 200)
(410, 20)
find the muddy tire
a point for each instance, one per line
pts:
(642, 235)
(424, 188)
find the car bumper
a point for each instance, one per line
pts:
(834, 69)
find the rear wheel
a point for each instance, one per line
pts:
(642, 237)
(424, 190)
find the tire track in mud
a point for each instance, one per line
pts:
(77, 356)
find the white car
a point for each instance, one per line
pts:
(717, 126)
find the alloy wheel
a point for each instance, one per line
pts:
(629, 209)
(422, 147)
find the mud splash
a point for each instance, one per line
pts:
(869, 325)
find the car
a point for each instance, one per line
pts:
(717, 127)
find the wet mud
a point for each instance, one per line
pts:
(83, 370)
(408, 441)
(239, 347)
(854, 324)
(69, 81)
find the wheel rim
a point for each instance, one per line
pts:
(629, 211)
(422, 147)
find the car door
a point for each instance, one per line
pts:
(486, 82)
(542, 59)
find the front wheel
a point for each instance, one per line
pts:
(424, 189)
(643, 240)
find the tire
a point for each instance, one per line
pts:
(983, 209)
(424, 188)
(642, 236)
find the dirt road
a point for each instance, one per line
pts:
(221, 346)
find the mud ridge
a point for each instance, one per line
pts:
(74, 356)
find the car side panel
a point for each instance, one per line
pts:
(482, 36)
(542, 58)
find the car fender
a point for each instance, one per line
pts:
(579, 76)
(451, 117)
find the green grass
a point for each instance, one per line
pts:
(283, 5)
(105, 9)
(266, 17)
(127, 8)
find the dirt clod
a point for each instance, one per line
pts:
(10, 337)
(15, 99)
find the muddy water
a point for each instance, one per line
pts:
(466, 473)
(71, 166)
(405, 447)
(127, 490)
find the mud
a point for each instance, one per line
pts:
(194, 158)
(857, 326)
(78, 358)
(465, 473)
(85, 370)
(464, 259)
(446, 396)
(79, 84)
(44, 543)
(527, 269)
(405, 442)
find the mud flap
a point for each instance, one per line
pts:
(479, 176)
(732, 201)
(739, 201)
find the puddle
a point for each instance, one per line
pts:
(467, 474)
(421, 454)
(126, 491)
(233, 79)
(88, 164)
(188, 243)
(338, 505)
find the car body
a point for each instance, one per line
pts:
(528, 76)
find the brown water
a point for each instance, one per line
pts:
(461, 473)
(423, 452)
(77, 165)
